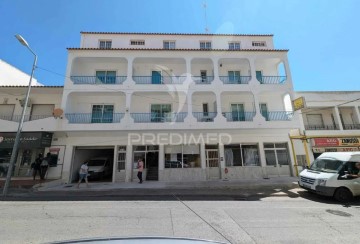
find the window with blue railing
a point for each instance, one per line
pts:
(160, 112)
(106, 77)
(102, 113)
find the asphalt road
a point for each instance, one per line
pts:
(283, 216)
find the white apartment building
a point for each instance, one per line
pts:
(331, 120)
(193, 106)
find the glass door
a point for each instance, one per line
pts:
(237, 112)
(234, 77)
(259, 76)
(102, 114)
(155, 77)
(264, 111)
(160, 112)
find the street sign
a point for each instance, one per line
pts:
(298, 103)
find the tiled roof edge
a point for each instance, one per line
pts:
(161, 49)
(174, 34)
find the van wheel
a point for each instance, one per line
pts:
(343, 195)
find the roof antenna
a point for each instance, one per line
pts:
(206, 25)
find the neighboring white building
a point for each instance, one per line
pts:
(194, 106)
(12, 76)
(332, 120)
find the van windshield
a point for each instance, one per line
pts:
(328, 165)
(96, 162)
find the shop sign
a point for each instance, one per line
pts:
(335, 149)
(28, 140)
(336, 142)
(298, 103)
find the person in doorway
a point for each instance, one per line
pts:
(36, 166)
(140, 167)
(44, 166)
(83, 174)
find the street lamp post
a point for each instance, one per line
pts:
(18, 133)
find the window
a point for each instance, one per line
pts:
(315, 121)
(137, 42)
(234, 76)
(102, 113)
(234, 45)
(26, 157)
(276, 154)
(203, 75)
(121, 158)
(259, 75)
(106, 77)
(264, 111)
(259, 44)
(41, 111)
(160, 112)
(105, 44)
(169, 44)
(205, 45)
(182, 156)
(6, 111)
(242, 155)
(205, 109)
(237, 112)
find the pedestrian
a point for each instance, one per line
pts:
(83, 174)
(140, 167)
(44, 166)
(36, 166)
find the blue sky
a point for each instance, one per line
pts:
(322, 35)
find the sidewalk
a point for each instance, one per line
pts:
(281, 182)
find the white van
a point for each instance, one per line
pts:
(333, 174)
(100, 167)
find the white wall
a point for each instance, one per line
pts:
(199, 98)
(228, 98)
(169, 67)
(12, 76)
(89, 66)
(141, 102)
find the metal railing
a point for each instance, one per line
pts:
(158, 118)
(278, 115)
(235, 80)
(351, 126)
(89, 118)
(146, 80)
(271, 79)
(203, 79)
(98, 79)
(321, 127)
(17, 118)
(239, 116)
(205, 116)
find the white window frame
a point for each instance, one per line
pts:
(234, 44)
(106, 42)
(207, 45)
(170, 44)
(137, 42)
(259, 43)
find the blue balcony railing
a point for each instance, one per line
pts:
(158, 118)
(271, 79)
(278, 115)
(321, 127)
(16, 118)
(239, 116)
(89, 118)
(203, 79)
(158, 80)
(98, 79)
(235, 80)
(205, 116)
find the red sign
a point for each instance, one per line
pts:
(326, 142)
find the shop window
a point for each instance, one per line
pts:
(6, 111)
(276, 154)
(26, 158)
(242, 155)
(121, 160)
(41, 111)
(5, 155)
(182, 156)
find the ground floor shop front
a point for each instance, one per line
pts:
(196, 157)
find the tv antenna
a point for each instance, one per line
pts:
(206, 24)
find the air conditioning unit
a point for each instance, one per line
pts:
(22, 102)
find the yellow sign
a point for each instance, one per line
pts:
(349, 141)
(298, 103)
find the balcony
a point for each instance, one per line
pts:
(81, 80)
(235, 80)
(351, 126)
(239, 116)
(205, 116)
(321, 127)
(156, 80)
(89, 118)
(158, 118)
(16, 118)
(271, 79)
(277, 115)
(203, 80)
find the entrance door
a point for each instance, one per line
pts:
(277, 159)
(155, 77)
(212, 163)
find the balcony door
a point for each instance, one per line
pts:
(102, 113)
(234, 77)
(160, 112)
(203, 75)
(259, 75)
(264, 111)
(237, 112)
(106, 77)
(155, 77)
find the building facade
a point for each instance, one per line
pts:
(193, 106)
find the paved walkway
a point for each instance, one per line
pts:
(287, 182)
